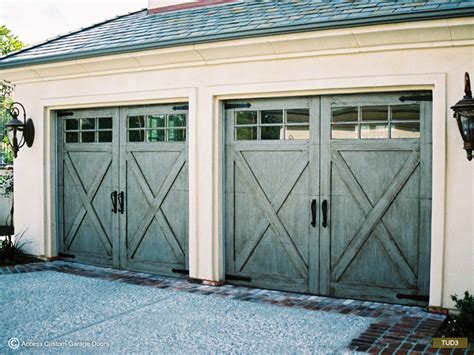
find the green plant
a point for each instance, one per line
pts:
(7, 151)
(461, 324)
(6, 184)
(8, 41)
(12, 252)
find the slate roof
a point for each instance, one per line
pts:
(139, 31)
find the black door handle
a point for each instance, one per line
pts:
(113, 197)
(313, 213)
(120, 201)
(324, 208)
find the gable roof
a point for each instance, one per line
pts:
(140, 31)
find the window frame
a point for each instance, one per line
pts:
(258, 125)
(80, 130)
(359, 123)
(166, 128)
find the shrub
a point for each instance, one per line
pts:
(6, 184)
(12, 252)
(461, 324)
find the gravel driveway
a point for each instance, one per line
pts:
(53, 311)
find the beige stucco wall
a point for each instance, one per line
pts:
(432, 55)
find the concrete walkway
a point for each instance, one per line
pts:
(70, 307)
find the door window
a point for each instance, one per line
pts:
(88, 130)
(287, 124)
(376, 122)
(156, 128)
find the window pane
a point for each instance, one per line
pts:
(87, 123)
(273, 132)
(347, 131)
(406, 130)
(374, 113)
(105, 136)
(156, 135)
(136, 122)
(405, 112)
(273, 116)
(177, 120)
(105, 123)
(246, 133)
(297, 132)
(88, 137)
(369, 131)
(136, 136)
(72, 137)
(246, 117)
(72, 124)
(297, 116)
(344, 114)
(176, 135)
(156, 121)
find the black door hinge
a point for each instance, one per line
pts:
(180, 271)
(402, 296)
(229, 105)
(238, 278)
(64, 255)
(65, 113)
(181, 107)
(420, 97)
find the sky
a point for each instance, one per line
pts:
(35, 21)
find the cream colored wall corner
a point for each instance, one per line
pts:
(438, 67)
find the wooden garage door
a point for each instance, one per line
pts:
(340, 206)
(376, 177)
(153, 172)
(269, 239)
(88, 173)
(123, 187)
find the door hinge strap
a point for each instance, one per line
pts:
(413, 297)
(180, 271)
(180, 107)
(238, 278)
(64, 255)
(229, 106)
(65, 113)
(425, 97)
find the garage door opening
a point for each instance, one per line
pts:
(123, 187)
(331, 195)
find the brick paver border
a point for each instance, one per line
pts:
(395, 329)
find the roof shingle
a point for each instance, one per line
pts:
(139, 30)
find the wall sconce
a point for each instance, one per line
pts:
(464, 115)
(19, 132)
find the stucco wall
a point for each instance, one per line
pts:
(438, 67)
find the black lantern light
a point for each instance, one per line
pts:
(464, 115)
(19, 132)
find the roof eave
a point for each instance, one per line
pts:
(385, 19)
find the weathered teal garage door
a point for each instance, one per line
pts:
(338, 205)
(269, 238)
(124, 187)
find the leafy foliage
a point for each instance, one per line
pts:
(8, 41)
(462, 323)
(6, 184)
(12, 252)
(7, 151)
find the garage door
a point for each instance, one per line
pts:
(123, 187)
(331, 195)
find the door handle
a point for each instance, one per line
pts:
(324, 208)
(313, 213)
(113, 197)
(120, 201)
